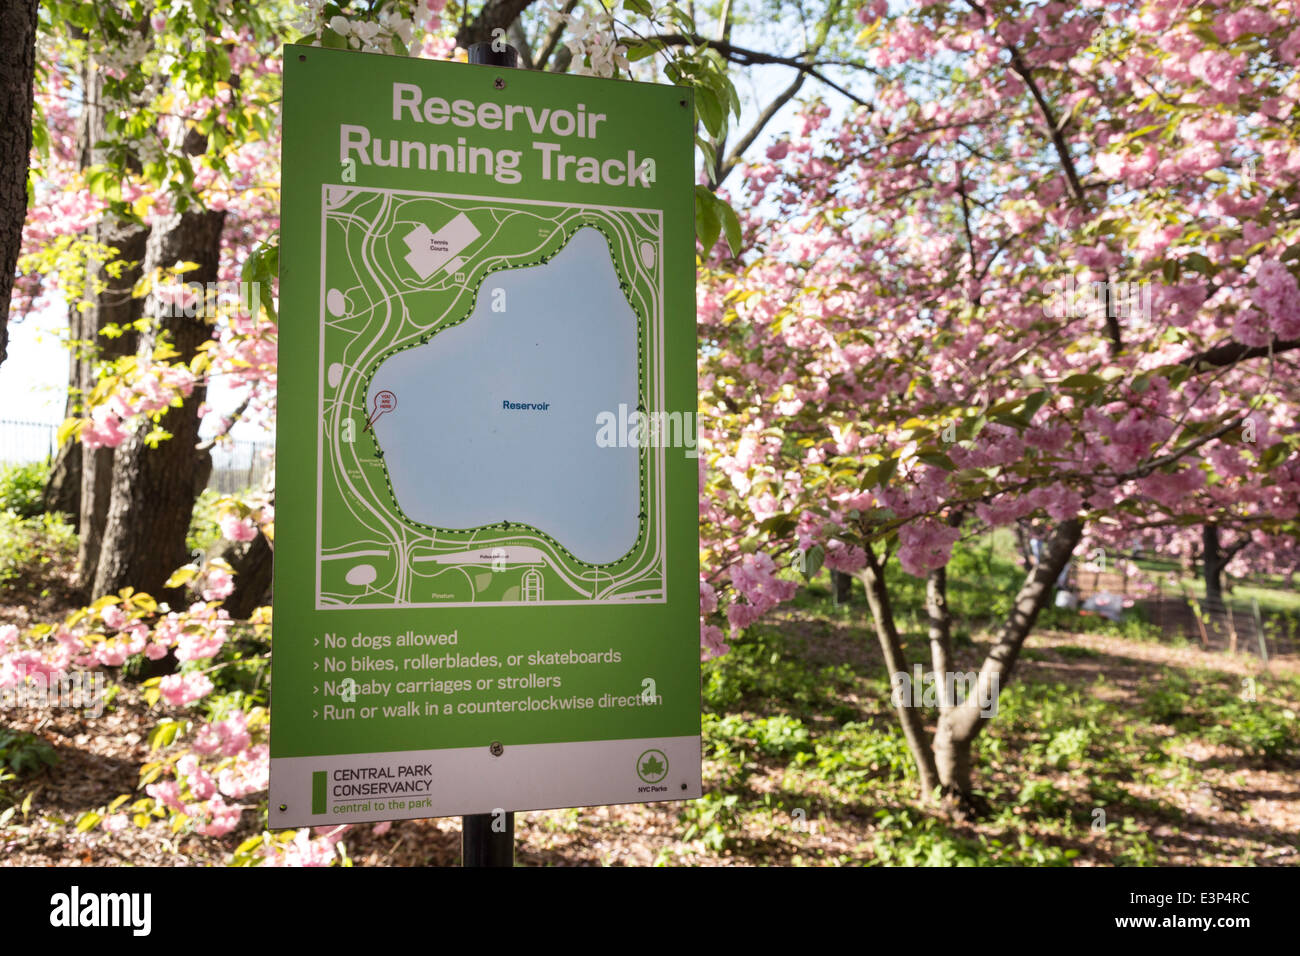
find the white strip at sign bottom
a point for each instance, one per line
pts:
(410, 784)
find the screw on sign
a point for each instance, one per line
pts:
(385, 401)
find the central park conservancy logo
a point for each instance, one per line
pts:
(652, 766)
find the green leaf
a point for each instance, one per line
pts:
(1033, 403)
(780, 525)
(730, 226)
(938, 459)
(638, 49)
(1273, 455)
(813, 561)
(710, 155)
(708, 223)
(709, 110)
(1082, 380)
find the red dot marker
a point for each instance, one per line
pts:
(385, 401)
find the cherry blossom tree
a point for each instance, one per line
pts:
(1048, 271)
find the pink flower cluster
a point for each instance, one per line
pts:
(152, 388)
(925, 545)
(306, 851)
(1278, 297)
(181, 689)
(754, 578)
(228, 737)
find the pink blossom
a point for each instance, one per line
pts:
(708, 598)
(207, 740)
(111, 653)
(199, 780)
(712, 643)
(1278, 296)
(168, 793)
(221, 817)
(235, 737)
(104, 430)
(235, 528)
(199, 646)
(181, 689)
(248, 774)
(113, 616)
(925, 545)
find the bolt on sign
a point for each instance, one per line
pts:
(483, 599)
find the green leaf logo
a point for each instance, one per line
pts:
(652, 766)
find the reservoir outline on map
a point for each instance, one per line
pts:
(468, 345)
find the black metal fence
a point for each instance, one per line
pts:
(236, 465)
(21, 442)
(1237, 625)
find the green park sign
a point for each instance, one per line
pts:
(486, 557)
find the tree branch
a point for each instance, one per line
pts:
(1229, 353)
(553, 38)
(496, 14)
(743, 56)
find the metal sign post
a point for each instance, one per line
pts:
(480, 843)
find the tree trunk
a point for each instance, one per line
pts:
(153, 489)
(251, 562)
(891, 647)
(114, 306)
(79, 482)
(841, 588)
(494, 15)
(960, 725)
(17, 74)
(1212, 560)
(62, 492)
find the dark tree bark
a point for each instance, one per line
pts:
(62, 492)
(945, 764)
(17, 74)
(1215, 557)
(959, 725)
(87, 321)
(251, 562)
(882, 614)
(113, 307)
(495, 15)
(1212, 562)
(153, 489)
(841, 587)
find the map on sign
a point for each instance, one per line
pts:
(471, 347)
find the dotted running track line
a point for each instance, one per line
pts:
(643, 516)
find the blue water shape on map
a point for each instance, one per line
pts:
(496, 418)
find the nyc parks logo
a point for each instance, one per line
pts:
(652, 767)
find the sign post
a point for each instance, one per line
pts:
(485, 839)
(486, 582)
